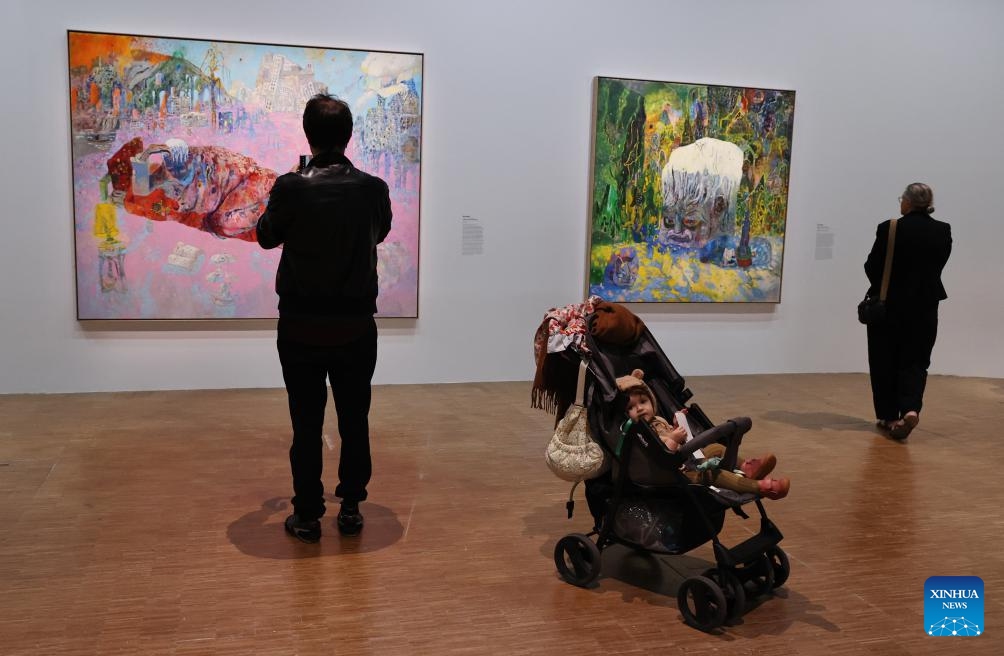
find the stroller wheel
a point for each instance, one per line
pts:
(702, 603)
(577, 559)
(732, 588)
(779, 563)
(759, 574)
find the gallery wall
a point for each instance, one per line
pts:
(887, 93)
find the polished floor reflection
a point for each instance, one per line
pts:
(151, 523)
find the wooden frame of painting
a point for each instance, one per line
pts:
(175, 144)
(689, 192)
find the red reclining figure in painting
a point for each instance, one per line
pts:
(208, 188)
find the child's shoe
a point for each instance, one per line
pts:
(757, 468)
(775, 488)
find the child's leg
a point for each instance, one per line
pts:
(726, 478)
(718, 450)
(730, 481)
(756, 468)
(715, 450)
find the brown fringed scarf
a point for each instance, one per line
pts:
(541, 395)
(554, 384)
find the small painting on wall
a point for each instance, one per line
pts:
(689, 192)
(176, 144)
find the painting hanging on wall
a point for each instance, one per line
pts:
(176, 144)
(689, 192)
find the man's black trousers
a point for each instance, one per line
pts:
(306, 369)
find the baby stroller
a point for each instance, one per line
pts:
(646, 502)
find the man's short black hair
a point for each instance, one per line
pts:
(327, 122)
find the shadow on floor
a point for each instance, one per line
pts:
(654, 579)
(820, 421)
(795, 608)
(260, 533)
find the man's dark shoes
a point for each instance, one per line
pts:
(308, 531)
(350, 520)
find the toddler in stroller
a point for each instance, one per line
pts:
(712, 468)
(645, 501)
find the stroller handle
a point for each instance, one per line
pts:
(743, 424)
(733, 429)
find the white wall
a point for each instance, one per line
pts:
(887, 93)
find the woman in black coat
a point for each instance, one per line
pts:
(899, 349)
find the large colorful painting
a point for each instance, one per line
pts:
(690, 192)
(176, 144)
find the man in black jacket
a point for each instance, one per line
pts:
(899, 349)
(329, 218)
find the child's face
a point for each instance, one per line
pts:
(639, 407)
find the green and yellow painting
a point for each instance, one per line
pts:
(690, 192)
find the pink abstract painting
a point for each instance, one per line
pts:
(176, 144)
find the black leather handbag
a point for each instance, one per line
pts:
(871, 310)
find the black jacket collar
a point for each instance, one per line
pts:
(329, 158)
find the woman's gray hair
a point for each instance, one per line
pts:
(920, 197)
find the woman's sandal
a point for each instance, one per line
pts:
(902, 428)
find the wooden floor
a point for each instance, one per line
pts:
(151, 523)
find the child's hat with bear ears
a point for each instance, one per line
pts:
(635, 383)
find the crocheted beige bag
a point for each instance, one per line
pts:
(572, 454)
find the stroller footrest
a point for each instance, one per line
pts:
(747, 551)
